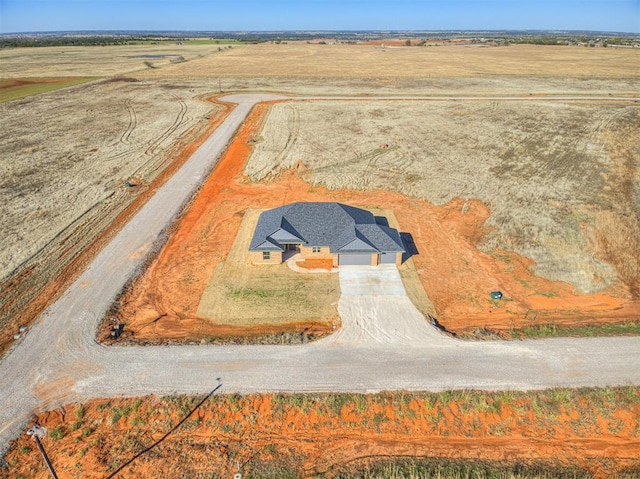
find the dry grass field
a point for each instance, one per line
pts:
(366, 69)
(367, 61)
(561, 179)
(242, 294)
(71, 150)
(95, 61)
(67, 157)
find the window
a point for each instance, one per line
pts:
(315, 249)
(266, 255)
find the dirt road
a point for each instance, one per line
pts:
(58, 361)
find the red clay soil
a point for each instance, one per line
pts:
(55, 288)
(595, 430)
(457, 277)
(311, 263)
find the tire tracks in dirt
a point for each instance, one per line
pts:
(177, 122)
(133, 122)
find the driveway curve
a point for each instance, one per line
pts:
(58, 361)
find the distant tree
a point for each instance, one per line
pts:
(407, 43)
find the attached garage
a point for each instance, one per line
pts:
(354, 259)
(324, 232)
(388, 258)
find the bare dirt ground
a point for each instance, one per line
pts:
(596, 430)
(72, 153)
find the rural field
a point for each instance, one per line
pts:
(79, 158)
(537, 198)
(103, 61)
(371, 70)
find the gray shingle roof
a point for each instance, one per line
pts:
(343, 228)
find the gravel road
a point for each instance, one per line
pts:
(58, 360)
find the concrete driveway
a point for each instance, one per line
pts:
(383, 280)
(374, 309)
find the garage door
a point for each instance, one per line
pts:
(354, 259)
(388, 258)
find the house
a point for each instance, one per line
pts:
(323, 231)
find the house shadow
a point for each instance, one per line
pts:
(407, 240)
(382, 221)
(409, 246)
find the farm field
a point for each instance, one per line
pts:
(584, 433)
(103, 61)
(457, 70)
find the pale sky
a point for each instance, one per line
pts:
(270, 15)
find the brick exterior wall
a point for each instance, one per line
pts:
(307, 252)
(256, 257)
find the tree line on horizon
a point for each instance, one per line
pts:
(109, 39)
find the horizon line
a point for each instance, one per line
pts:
(389, 31)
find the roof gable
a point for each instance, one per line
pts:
(384, 238)
(281, 235)
(268, 246)
(357, 244)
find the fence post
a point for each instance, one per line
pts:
(38, 432)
